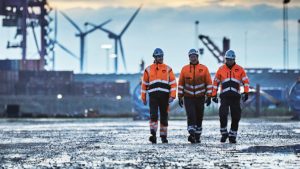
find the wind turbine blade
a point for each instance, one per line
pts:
(97, 27)
(71, 21)
(107, 31)
(131, 19)
(103, 29)
(66, 50)
(89, 23)
(122, 53)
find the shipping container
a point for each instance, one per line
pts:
(13, 110)
(102, 88)
(9, 76)
(60, 77)
(20, 89)
(59, 82)
(24, 76)
(7, 88)
(77, 89)
(9, 65)
(32, 65)
(42, 88)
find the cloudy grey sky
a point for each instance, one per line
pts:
(170, 26)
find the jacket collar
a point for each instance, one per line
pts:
(195, 63)
(230, 66)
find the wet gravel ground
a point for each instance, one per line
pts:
(123, 143)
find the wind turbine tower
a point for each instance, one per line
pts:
(118, 39)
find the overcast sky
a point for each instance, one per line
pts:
(170, 26)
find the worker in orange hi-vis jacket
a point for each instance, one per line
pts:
(160, 83)
(230, 76)
(195, 86)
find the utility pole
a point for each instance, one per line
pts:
(246, 34)
(299, 44)
(197, 40)
(196, 34)
(285, 35)
(107, 48)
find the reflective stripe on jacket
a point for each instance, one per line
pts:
(194, 81)
(230, 80)
(158, 78)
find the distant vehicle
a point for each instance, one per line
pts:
(294, 99)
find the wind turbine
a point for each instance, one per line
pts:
(54, 42)
(118, 39)
(81, 34)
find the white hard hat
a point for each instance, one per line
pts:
(230, 54)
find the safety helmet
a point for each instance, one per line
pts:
(158, 52)
(230, 54)
(193, 52)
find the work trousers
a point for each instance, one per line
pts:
(159, 101)
(232, 103)
(194, 107)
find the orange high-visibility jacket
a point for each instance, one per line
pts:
(231, 80)
(158, 78)
(194, 81)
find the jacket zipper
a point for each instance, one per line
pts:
(230, 77)
(194, 80)
(156, 70)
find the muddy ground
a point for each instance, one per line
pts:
(123, 143)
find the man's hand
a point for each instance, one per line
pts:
(180, 102)
(208, 101)
(245, 97)
(215, 99)
(145, 102)
(171, 99)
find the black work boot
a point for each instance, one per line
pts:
(191, 138)
(152, 139)
(164, 139)
(224, 138)
(197, 138)
(232, 139)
